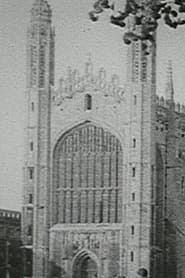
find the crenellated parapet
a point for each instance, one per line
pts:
(75, 83)
(164, 103)
(9, 214)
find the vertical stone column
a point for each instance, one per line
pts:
(140, 156)
(40, 78)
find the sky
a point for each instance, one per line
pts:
(76, 38)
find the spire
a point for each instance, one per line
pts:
(169, 84)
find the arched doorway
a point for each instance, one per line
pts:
(85, 266)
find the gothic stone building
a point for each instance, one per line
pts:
(104, 185)
(10, 244)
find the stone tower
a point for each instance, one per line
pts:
(95, 171)
(140, 167)
(40, 79)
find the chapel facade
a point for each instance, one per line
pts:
(103, 168)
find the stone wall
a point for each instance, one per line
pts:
(10, 244)
(69, 244)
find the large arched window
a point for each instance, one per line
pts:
(88, 176)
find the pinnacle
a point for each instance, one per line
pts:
(89, 65)
(169, 68)
(169, 83)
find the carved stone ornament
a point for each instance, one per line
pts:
(74, 83)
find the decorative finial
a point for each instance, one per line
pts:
(89, 66)
(169, 84)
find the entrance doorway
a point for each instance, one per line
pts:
(85, 267)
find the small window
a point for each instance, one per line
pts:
(32, 106)
(101, 212)
(132, 230)
(31, 174)
(30, 199)
(31, 146)
(133, 197)
(134, 143)
(132, 256)
(133, 172)
(135, 99)
(182, 183)
(88, 102)
(29, 230)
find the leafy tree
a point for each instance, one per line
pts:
(144, 14)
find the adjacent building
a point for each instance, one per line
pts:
(104, 169)
(10, 244)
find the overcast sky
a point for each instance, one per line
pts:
(76, 37)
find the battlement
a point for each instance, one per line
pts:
(164, 103)
(74, 83)
(10, 214)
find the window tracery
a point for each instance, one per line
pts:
(88, 169)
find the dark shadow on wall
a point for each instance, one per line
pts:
(157, 218)
(56, 271)
(163, 232)
(171, 250)
(10, 259)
